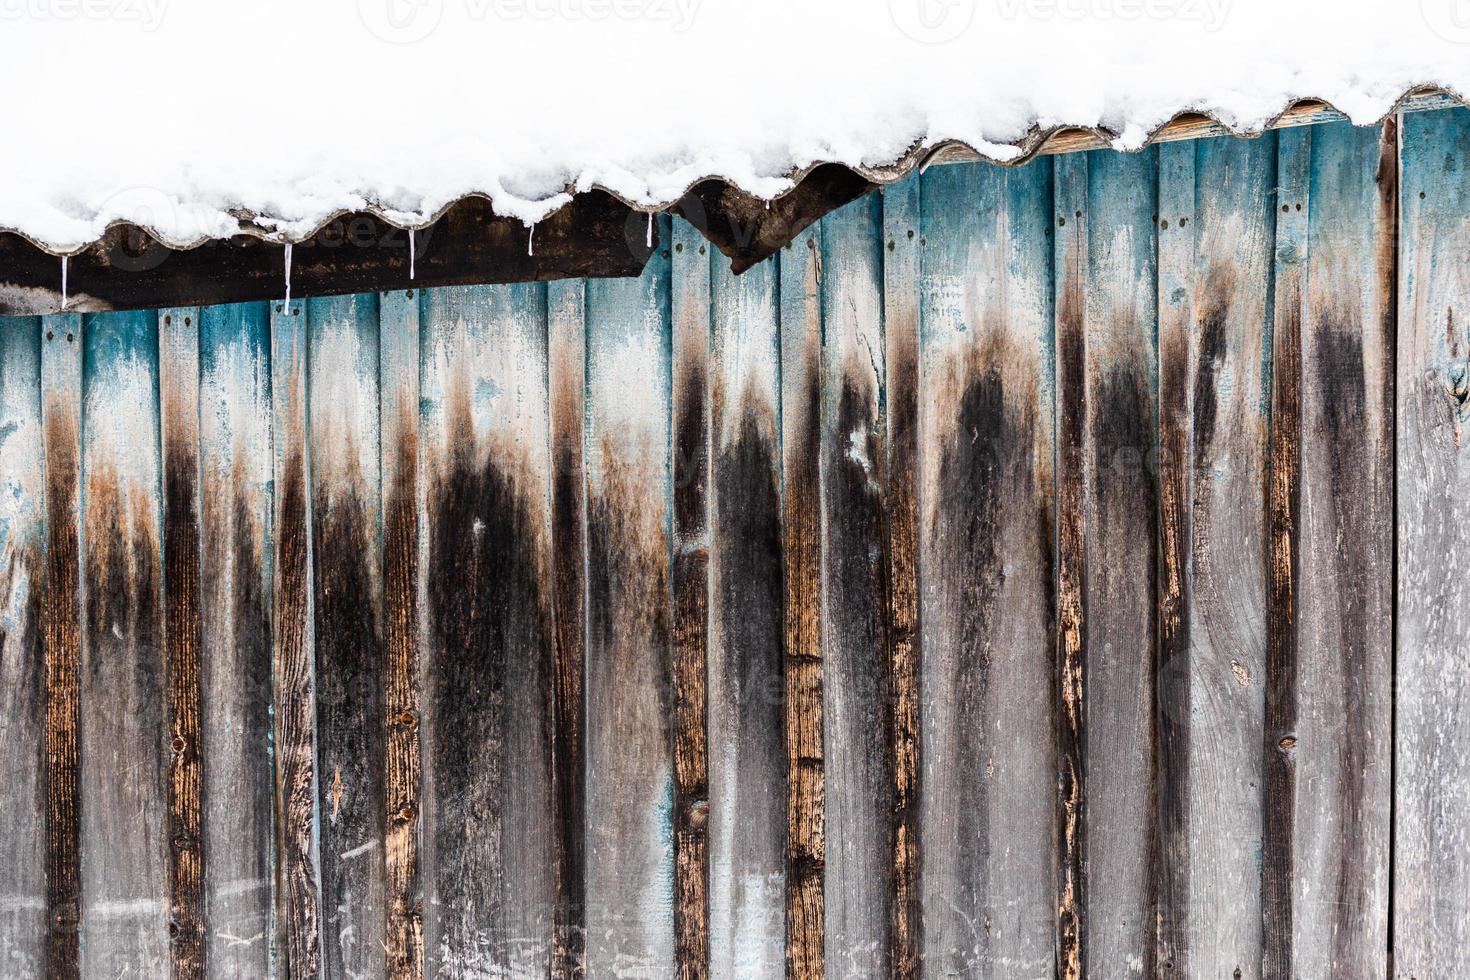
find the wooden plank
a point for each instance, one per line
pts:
(567, 383)
(1225, 662)
(61, 638)
(1345, 629)
(860, 774)
(1120, 517)
(178, 385)
(901, 548)
(22, 666)
(986, 539)
(746, 744)
(1177, 372)
(346, 519)
(1283, 507)
(299, 909)
(1431, 844)
(398, 407)
(630, 888)
(690, 581)
(800, 271)
(1070, 264)
(489, 881)
(235, 655)
(123, 829)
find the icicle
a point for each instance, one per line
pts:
(531, 241)
(648, 238)
(63, 282)
(410, 254)
(288, 279)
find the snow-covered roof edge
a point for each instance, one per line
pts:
(1186, 123)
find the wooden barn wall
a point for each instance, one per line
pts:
(1028, 573)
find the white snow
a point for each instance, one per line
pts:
(181, 114)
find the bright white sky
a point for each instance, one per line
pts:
(170, 112)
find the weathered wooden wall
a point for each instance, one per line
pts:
(1047, 572)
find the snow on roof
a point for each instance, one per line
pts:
(199, 119)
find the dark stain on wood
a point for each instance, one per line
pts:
(1339, 365)
(240, 596)
(183, 628)
(568, 531)
(690, 652)
(295, 759)
(901, 577)
(1171, 663)
(351, 736)
(859, 668)
(1071, 667)
(1283, 545)
(488, 695)
(747, 535)
(984, 463)
(401, 786)
(123, 726)
(628, 627)
(61, 636)
(802, 615)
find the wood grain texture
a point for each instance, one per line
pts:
(1341, 721)
(800, 271)
(857, 678)
(178, 385)
(489, 880)
(1069, 200)
(342, 398)
(901, 548)
(1431, 847)
(1120, 517)
(61, 638)
(1229, 291)
(403, 544)
(630, 848)
(298, 890)
(1177, 374)
(986, 448)
(690, 581)
(235, 655)
(1283, 509)
(748, 778)
(124, 828)
(22, 665)
(567, 383)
